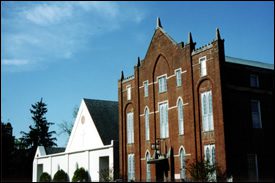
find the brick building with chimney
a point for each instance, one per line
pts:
(184, 104)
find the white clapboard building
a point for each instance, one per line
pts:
(93, 144)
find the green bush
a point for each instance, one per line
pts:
(45, 177)
(202, 171)
(80, 175)
(60, 176)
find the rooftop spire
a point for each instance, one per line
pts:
(190, 40)
(158, 23)
(122, 76)
(138, 64)
(218, 37)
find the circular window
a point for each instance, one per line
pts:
(82, 119)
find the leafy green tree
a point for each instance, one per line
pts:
(39, 134)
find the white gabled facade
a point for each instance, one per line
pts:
(84, 133)
(84, 149)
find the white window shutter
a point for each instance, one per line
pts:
(211, 124)
(132, 120)
(128, 129)
(133, 167)
(166, 120)
(129, 166)
(204, 111)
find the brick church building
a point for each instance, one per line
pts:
(185, 104)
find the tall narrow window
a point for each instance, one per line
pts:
(254, 80)
(129, 92)
(256, 114)
(162, 84)
(131, 167)
(145, 83)
(148, 169)
(130, 128)
(209, 154)
(213, 155)
(178, 77)
(147, 124)
(207, 111)
(163, 115)
(253, 174)
(203, 66)
(180, 117)
(182, 164)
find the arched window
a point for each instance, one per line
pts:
(147, 124)
(182, 164)
(180, 116)
(148, 169)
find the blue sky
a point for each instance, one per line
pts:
(66, 51)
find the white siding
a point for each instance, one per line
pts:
(82, 131)
(87, 159)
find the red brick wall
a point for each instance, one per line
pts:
(163, 57)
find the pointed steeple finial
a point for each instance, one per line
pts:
(218, 37)
(138, 64)
(159, 23)
(190, 40)
(122, 76)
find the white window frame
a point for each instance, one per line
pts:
(212, 160)
(164, 123)
(147, 123)
(254, 125)
(131, 167)
(182, 163)
(146, 89)
(128, 88)
(203, 66)
(210, 147)
(256, 77)
(130, 127)
(180, 116)
(148, 168)
(162, 85)
(178, 77)
(207, 111)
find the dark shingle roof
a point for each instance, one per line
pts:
(105, 116)
(53, 150)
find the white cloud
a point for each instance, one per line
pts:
(103, 8)
(45, 14)
(48, 32)
(15, 62)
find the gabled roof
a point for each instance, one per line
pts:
(53, 150)
(105, 116)
(249, 62)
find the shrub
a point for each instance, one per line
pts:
(45, 177)
(80, 175)
(202, 171)
(60, 176)
(105, 175)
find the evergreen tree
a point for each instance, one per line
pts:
(39, 134)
